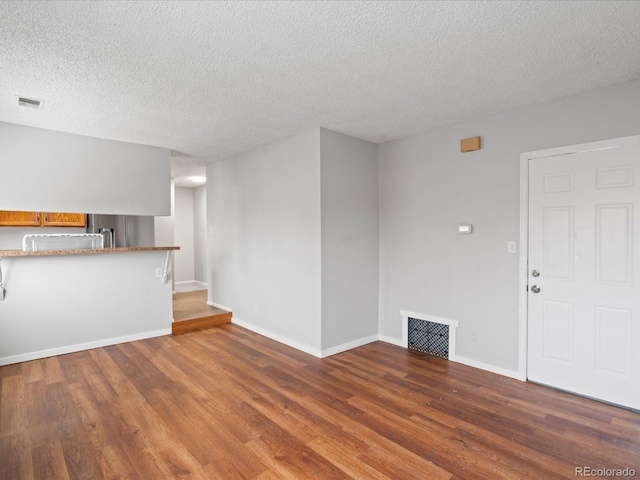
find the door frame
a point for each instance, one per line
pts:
(523, 261)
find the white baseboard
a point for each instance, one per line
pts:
(217, 305)
(327, 352)
(25, 357)
(278, 338)
(197, 282)
(487, 367)
(305, 348)
(391, 340)
(465, 361)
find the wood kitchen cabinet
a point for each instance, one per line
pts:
(50, 219)
(20, 219)
(42, 219)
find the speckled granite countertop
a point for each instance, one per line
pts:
(82, 251)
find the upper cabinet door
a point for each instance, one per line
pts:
(51, 219)
(20, 219)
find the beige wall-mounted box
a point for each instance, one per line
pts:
(470, 144)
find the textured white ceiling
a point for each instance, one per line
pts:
(213, 79)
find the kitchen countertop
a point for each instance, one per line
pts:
(82, 251)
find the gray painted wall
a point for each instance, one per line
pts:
(349, 189)
(293, 248)
(183, 234)
(427, 187)
(264, 250)
(44, 170)
(200, 233)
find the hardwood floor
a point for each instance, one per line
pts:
(191, 312)
(226, 404)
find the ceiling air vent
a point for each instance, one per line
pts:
(30, 102)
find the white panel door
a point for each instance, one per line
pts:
(584, 273)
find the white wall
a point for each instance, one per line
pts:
(349, 189)
(60, 304)
(164, 226)
(45, 170)
(200, 233)
(183, 235)
(186, 227)
(427, 187)
(164, 230)
(264, 250)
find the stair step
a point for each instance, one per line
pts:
(194, 324)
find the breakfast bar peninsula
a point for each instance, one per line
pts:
(56, 302)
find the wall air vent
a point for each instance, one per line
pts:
(429, 334)
(429, 337)
(30, 103)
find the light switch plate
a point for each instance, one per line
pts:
(512, 247)
(465, 228)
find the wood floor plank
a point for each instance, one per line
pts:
(346, 461)
(79, 454)
(159, 435)
(193, 433)
(142, 374)
(412, 466)
(16, 458)
(300, 420)
(70, 366)
(42, 425)
(100, 428)
(508, 462)
(49, 461)
(183, 465)
(32, 371)
(13, 413)
(291, 459)
(52, 371)
(96, 379)
(11, 370)
(61, 406)
(447, 454)
(114, 464)
(224, 443)
(226, 403)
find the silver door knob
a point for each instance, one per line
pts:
(535, 273)
(535, 289)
